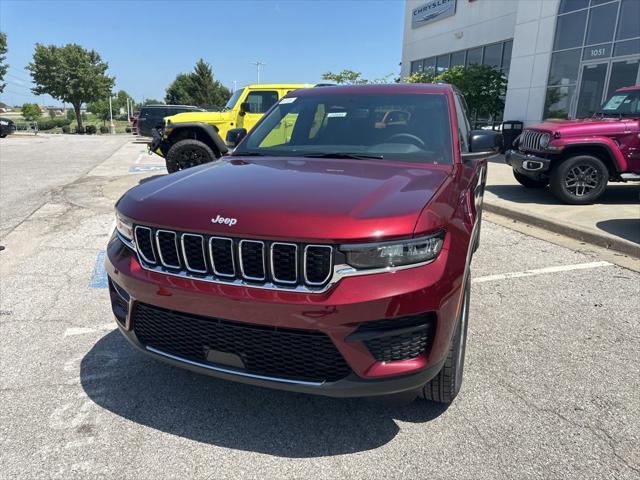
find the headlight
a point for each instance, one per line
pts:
(544, 140)
(124, 226)
(395, 253)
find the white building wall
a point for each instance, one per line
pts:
(530, 59)
(476, 23)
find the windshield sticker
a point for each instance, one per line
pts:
(288, 100)
(614, 102)
(336, 114)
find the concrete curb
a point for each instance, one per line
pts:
(569, 230)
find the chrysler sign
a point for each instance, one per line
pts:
(432, 11)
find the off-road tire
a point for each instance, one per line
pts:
(529, 182)
(444, 387)
(579, 180)
(188, 153)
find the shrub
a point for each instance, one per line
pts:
(46, 124)
(91, 129)
(61, 122)
(80, 130)
(66, 129)
(104, 129)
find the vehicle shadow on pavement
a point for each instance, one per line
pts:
(613, 195)
(627, 228)
(127, 383)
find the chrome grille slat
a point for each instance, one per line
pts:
(275, 265)
(530, 140)
(144, 243)
(168, 251)
(273, 250)
(249, 261)
(196, 256)
(217, 251)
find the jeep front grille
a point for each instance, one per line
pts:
(235, 260)
(530, 140)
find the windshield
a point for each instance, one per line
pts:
(623, 104)
(406, 127)
(234, 99)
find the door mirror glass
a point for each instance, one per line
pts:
(483, 143)
(245, 107)
(235, 136)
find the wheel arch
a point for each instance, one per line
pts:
(207, 134)
(601, 151)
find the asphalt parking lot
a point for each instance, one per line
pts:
(551, 378)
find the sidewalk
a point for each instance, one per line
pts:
(612, 223)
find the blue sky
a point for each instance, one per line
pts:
(147, 43)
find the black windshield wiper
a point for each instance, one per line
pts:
(248, 154)
(357, 156)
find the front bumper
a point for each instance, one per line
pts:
(336, 313)
(528, 164)
(155, 145)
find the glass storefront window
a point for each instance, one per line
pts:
(628, 47)
(442, 63)
(416, 66)
(474, 56)
(570, 30)
(493, 55)
(597, 51)
(629, 20)
(558, 101)
(506, 54)
(457, 58)
(602, 21)
(571, 5)
(623, 74)
(564, 67)
(429, 65)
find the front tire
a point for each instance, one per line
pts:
(529, 182)
(444, 387)
(579, 180)
(188, 153)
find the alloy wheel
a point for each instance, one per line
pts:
(581, 180)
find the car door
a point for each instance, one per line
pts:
(258, 102)
(475, 172)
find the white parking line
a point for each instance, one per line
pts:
(140, 157)
(541, 271)
(69, 332)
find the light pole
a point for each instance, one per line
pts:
(112, 127)
(258, 64)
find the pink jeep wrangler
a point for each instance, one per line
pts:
(577, 158)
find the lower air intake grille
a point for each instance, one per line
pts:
(277, 352)
(399, 338)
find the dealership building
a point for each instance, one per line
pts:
(561, 57)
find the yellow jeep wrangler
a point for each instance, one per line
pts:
(192, 138)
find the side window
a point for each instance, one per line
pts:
(260, 102)
(463, 123)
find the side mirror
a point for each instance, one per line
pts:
(245, 107)
(482, 144)
(235, 136)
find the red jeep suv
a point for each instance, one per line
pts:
(577, 158)
(328, 254)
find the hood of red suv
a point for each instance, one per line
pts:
(587, 126)
(294, 198)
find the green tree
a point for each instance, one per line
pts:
(71, 115)
(71, 74)
(31, 111)
(345, 77)
(179, 92)
(3, 57)
(100, 108)
(206, 90)
(351, 77)
(197, 88)
(150, 101)
(483, 87)
(121, 100)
